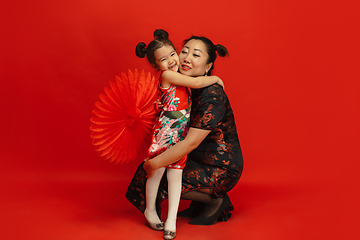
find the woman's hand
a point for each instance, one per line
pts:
(149, 168)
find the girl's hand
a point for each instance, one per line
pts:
(158, 104)
(221, 83)
(150, 170)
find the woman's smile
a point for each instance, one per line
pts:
(185, 67)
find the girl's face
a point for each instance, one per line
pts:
(166, 58)
(193, 59)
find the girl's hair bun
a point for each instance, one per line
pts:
(140, 50)
(162, 34)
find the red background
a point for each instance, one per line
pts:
(292, 78)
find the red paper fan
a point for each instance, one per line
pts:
(124, 117)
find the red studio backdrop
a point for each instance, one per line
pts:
(292, 78)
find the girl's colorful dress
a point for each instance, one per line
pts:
(173, 121)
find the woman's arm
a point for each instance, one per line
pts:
(193, 139)
(170, 77)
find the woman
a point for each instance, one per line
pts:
(215, 161)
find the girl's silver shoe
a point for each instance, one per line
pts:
(156, 226)
(169, 235)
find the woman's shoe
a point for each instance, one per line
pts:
(222, 213)
(192, 211)
(226, 214)
(169, 235)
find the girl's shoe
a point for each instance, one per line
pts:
(156, 226)
(169, 235)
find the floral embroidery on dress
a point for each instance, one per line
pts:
(173, 121)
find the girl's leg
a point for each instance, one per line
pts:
(152, 187)
(174, 177)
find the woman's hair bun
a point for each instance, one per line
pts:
(140, 50)
(162, 34)
(221, 50)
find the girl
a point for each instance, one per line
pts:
(172, 124)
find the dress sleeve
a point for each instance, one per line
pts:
(210, 110)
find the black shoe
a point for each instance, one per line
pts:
(222, 214)
(192, 211)
(226, 214)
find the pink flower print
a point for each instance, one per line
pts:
(171, 108)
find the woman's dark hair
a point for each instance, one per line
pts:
(161, 38)
(211, 49)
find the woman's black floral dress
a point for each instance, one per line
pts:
(216, 164)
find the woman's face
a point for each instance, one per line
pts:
(193, 59)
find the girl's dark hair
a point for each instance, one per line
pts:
(161, 38)
(211, 49)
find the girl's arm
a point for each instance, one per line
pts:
(194, 137)
(170, 77)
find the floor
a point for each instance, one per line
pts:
(91, 205)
